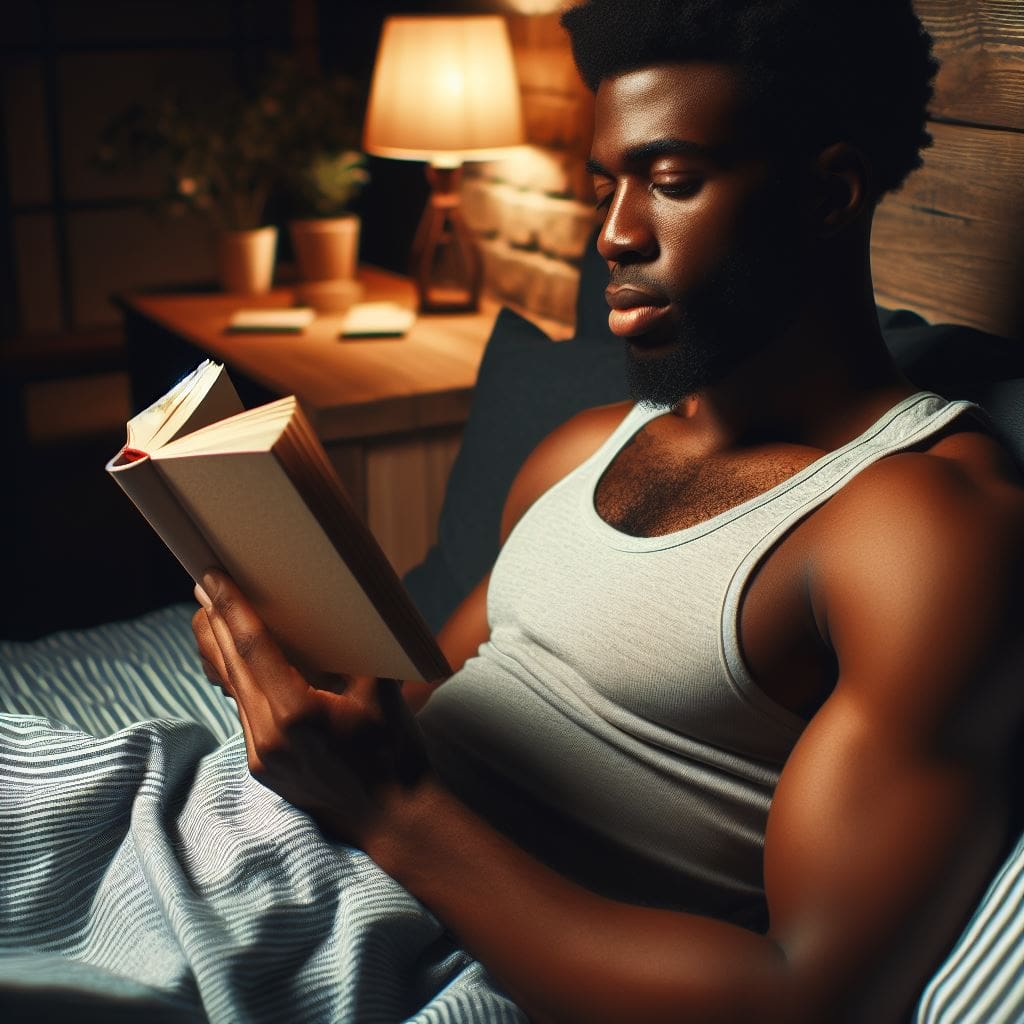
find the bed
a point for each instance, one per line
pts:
(188, 892)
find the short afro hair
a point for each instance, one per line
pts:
(817, 71)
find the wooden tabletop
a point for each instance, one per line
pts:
(350, 388)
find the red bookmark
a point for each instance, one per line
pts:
(133, 454)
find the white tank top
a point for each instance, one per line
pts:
(610, 724)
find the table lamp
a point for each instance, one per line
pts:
(444, 90)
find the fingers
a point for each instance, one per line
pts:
(371, 691)
(361, 689)
(209, 652)
(265, 685)
(333, 749)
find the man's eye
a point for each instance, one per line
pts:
(604, 201)
(677, 189)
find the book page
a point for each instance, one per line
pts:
(205, 396)
(212, 398)
(250, 430)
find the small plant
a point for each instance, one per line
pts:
(222, 156)
(326, 185)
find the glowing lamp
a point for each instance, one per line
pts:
(444, 91)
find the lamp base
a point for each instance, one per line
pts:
(445, 262)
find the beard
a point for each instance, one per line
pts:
(745, 305)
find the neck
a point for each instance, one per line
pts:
(826, 379)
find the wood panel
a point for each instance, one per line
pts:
(950, 245)
(405, 484)
(349, 461)
(981, 46)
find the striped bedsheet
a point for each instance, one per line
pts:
(982, 980)
(145, 875)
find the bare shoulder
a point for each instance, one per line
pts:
(565, 448)
(963, 495)
(917, 577)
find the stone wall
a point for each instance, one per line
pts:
(533, 214)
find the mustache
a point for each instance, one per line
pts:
(633, 277)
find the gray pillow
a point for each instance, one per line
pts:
(961, 362)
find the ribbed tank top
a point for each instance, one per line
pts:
(610, 724)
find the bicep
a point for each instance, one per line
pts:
(875, 849)
(892, 808)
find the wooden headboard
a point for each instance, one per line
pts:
(950, 244)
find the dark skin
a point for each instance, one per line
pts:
(891, 616)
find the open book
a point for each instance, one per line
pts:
(254, 493)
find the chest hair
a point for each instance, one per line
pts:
(652, 488)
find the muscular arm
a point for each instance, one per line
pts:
(887, 818)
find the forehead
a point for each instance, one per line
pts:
(699, 102)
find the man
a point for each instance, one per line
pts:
(736, 745)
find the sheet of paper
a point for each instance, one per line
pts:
(285, 320)
(377, 319)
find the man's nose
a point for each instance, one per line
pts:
(627, 236)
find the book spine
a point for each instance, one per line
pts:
(153, 497)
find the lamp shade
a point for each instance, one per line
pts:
(444, 90)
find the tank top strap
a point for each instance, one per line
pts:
(912, 421)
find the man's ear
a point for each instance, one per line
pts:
(842, 179)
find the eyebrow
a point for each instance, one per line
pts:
(647, 151)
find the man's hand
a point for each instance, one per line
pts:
(345, 749)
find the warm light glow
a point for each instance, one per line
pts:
(444, 89)
(453, 82)
(536, 6)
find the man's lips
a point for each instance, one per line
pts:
(634, 311)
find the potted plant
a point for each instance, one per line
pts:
(218, 156)
(223, 155)
(326, 171)
(325, 235)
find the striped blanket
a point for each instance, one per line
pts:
(143, 873)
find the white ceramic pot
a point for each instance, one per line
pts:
(327, 248)
(246, 260)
